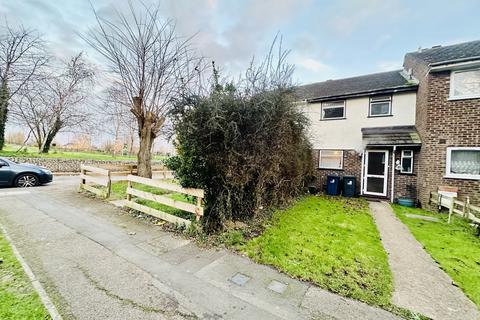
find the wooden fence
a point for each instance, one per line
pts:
(196, 209)
(462, 208)
(92, 176)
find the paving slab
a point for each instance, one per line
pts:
(420, 217)
(99, 263)
(419, 284)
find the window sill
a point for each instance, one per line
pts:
(406, 174)
(333, 119)
(462, 177)
(330, 169)
(382, 116)
(463, 98)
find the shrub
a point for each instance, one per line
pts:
(245, 145)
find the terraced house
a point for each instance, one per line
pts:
(402, 133)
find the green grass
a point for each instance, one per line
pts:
(119, 192)
(11, 151)
(332, 242)
(18, 300)
(454, 246)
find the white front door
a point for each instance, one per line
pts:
(376, 172)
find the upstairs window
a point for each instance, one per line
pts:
(465, 84)
(380, 106)
(463, 163)
(333, 110)
(330, 159)
(406, 162)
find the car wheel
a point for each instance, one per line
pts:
(26, 180)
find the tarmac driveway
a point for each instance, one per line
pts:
(97, 262)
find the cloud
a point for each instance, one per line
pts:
(310, 64)
(348, 17)
(389, 65)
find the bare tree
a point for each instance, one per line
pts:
(56, 103)
(122, 123)
(22, 54)
(153, 64)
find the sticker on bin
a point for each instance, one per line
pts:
(350, 183)
(332, 181)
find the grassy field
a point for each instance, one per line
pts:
(18, 300)
(332, 242)
(454, 246)
(119, 192)
(11, 151)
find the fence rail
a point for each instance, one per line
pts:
(455, 206)
(90, 176)
(196, 209)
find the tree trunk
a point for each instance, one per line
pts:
(3, 112)
(51, 135)
(145, 150)
(47, 143)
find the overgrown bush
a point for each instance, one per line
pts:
(246, 145)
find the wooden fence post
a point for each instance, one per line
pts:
(129, 185)
(450, 211)
(467, 207)
(109, 184)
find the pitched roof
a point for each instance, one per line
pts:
(389, 136)
(458, 52)
(377, 83)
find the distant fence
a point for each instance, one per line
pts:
(99, 182)
(462, 208)
(93, 176)
(196, 209)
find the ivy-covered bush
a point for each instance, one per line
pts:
(246, 146)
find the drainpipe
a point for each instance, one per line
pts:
(361, 176)
(393, 174)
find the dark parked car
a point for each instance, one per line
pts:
(22, 174)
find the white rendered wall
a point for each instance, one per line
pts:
(346, 133)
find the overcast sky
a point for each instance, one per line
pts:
(328, 39)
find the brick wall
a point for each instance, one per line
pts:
(352, 166)
(442, 123)
(406, 184)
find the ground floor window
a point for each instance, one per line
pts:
(463, 162)
(330, 159)
(406, 161)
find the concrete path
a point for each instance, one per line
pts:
(97, 262)
(419, 284)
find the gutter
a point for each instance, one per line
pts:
(412, 87)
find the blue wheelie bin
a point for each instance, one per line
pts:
(349, 186)
(333, 185)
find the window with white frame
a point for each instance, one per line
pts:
(333, 110)
(465, 84)
(406, 161)
(330, 159)
(380, 106)
(463, 163)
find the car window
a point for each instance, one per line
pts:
(3, 163)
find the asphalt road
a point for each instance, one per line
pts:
(98, 262)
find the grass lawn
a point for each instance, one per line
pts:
(332, 242)
(10, 151)
(119, 192)
(454, 246)
(18, 299)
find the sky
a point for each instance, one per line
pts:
(327, 39)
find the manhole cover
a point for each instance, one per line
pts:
(277, 286)
(240, 279)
